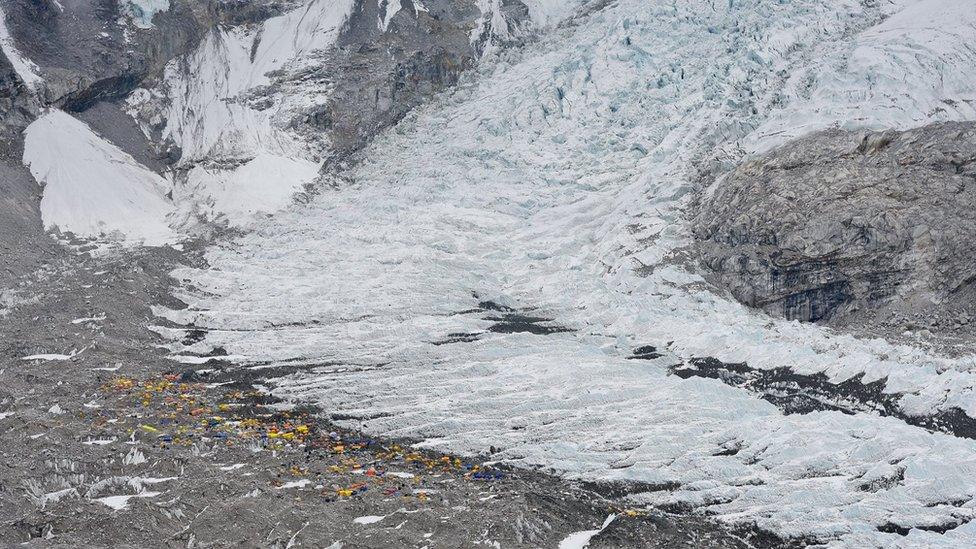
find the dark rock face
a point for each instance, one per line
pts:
(89, 52)
(23, 245)
(841, 222)
(378, 75)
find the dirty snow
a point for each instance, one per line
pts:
(554, 183)
(99, 442)
(44, 500)
(91, 187)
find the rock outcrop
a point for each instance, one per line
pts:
(88, 52)
(839, 225)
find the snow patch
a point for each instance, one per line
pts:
(368, 519)
(121, 502)
(51, 356)
(388, 8)
(134, 457)
(97, 318)
(264, 184)
(580, 540)
(399, 474)
(295, 484)
(91, 187)
(99, 442)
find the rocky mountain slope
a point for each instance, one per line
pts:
(850, 224)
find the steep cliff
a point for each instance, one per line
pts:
(848, 226)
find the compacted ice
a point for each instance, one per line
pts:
(483, 276)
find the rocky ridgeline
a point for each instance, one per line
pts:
(850, 226)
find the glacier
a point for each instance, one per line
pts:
(552, 183)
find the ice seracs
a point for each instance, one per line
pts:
(904, 72)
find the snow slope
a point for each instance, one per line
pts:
(554, 183)
(91, 187)
(264, 184)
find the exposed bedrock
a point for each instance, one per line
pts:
(845, 225)
(92, 51)
(380, 74)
